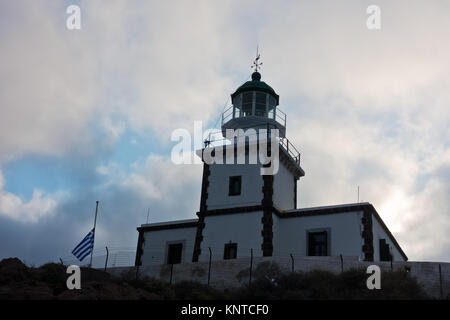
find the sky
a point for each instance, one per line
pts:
(87, 114)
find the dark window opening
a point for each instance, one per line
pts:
(237, 106)
(230, 251)
(174, 254)
(272, 102)
(385, 254)
(318, 243)
(260, 105)
(235, 186)
(272, 105)
(247, 103)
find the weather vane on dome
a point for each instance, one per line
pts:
(256, 64)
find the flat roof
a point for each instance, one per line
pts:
(174, 224)
(168, 222)
(347, 205)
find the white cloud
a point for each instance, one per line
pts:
(39, 206)
(157, 179)
(47, 91)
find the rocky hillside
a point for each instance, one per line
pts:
(48, 282)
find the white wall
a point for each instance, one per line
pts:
(379, 233)
(241, 228)
(155, 245)
(345, 232)
(251, 188)
(283, 189)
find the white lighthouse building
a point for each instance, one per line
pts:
(243, 212)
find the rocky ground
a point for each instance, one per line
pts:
(17, 282)
(48, 282)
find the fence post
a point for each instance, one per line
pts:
(107, 255)
(392, 266)
(209, 267)
(251, 266)
(342, 263)
(292, 263)
(440, 282)
(171, 273)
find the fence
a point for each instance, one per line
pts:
(434, 277)
(109, 258)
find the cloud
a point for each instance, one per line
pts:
(40, 205)
(119, 71)
(157, 181)
(48, 93)
(48, 227)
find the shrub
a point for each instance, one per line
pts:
(323, 285)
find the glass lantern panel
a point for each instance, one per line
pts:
(237, 102)
(247, 103)
(260, 105)
(237, 112)
(272, 102)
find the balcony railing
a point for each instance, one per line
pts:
(290, 149)
(234, 113)
(216, 139)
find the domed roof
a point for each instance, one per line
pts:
(256, 85)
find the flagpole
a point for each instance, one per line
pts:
(95, 222)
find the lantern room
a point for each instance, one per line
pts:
(254, 105)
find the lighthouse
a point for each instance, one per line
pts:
(246, 210)
(236, 197)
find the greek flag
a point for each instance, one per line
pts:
(84, 248)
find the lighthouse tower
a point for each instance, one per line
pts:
(247, 210)
(238, 204)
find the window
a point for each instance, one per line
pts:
(235, 186)
(237, 112)
(260, 105)
(318, 243)
(237, 106)
(385, 254)
(247, 103)
(272, 102)
(174, 253)
(237, 101)
(230, 251)
(272, 106)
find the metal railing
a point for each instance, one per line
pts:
(216, 139)
(276, 114)
(227, 115)
(290, 149)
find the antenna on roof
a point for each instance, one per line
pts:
(358, 194)
(256, 64)
(148, 212)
